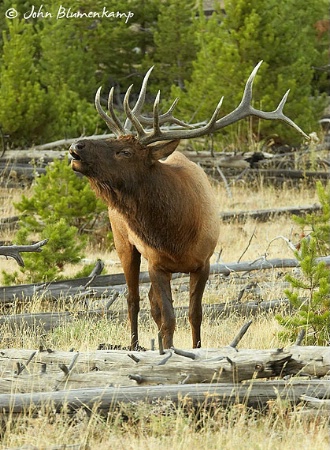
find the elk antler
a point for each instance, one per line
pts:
(135, 117)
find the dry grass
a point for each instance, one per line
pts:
(165, 426)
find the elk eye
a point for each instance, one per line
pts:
(125, 153)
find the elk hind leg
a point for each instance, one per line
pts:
(162, 305)
(198, 281)
(154, 309)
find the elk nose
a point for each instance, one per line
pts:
(75, 149)
(76, 146)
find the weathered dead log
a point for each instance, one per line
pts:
(46, 321)
(237, 368)
(291, 174)
(108, 283)
(253, 393)
(108, 377)
(29, 370)
(308, 360)
(265, 214)
(21, 171)
(316, 403)
(26, 156)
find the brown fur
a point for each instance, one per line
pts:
(163, 211)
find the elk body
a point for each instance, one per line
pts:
(163, 210)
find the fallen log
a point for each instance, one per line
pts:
(291, 174)
(21, 171)
(105, 378)
(316, 403)
(31, 370)
(265, 214)
(105, 284)
(46, 321)
(26, 156)
(253, 393)
(148, 370)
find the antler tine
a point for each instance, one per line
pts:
(131, 116)
(166, 117)
(141, 99)
(208, 128)
(113, 125)
(149, 121)
(279, 112)
(244, 109)
(112, 112)
(156, 128)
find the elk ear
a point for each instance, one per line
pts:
(163, 150)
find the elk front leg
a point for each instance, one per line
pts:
(198, 280)
(162, 304)
(130, 259)
(131, 268)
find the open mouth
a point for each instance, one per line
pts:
(74, 155)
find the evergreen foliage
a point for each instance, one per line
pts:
(23, 101)
(318, 224)
(233, 43)
(310, 297)
(68, 73)
(175, 44)
(310, 292)
(51, 68)
(60, 194)
(61, 208)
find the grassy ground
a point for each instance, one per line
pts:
(164, 426)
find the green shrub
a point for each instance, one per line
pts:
(310, 292)
(62, 208)
(318, 224)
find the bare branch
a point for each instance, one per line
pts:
(13, 251)
(240, 334)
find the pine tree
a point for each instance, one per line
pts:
(232, 44)
(61, 249)
(119, 47)
(62, 208)
(23, 101)
(317, 224)
(60, 194)
(310, 297)
(175, 45)
(8, 7)
(67, 71)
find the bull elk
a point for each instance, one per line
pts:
(162, 210)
